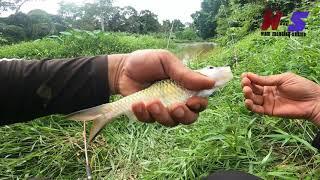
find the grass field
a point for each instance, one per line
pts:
(226, 136)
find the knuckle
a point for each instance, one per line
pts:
(164, 51)
(289, 74)
(165, 54)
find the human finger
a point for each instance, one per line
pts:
(197, 104)
(140, 111)
(183, 75)
(253, 107)
(272, 80)
(182, 114)
(248, 94)
(160, 114)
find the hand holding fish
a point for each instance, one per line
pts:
(130, 73)
(283, 95)
(157, 87)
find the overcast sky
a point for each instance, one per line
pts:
(165, 9)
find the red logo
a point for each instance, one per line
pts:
(269, 19)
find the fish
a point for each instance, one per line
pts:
(167, 91)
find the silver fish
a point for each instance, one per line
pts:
(167, 91)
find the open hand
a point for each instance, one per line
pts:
(283, 95)
(129, 73)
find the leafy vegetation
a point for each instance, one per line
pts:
(225, 17)
(99, 15)
(225, 137)
(205, 19)
(35, 24)
(14, 5)
(187, 34)
(81, 43)
(236, 21)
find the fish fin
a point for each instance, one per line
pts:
(87, 114)
(131, 116)
(98, 124)
(100, 115)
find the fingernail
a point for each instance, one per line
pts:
(155, 108)
(179, 112)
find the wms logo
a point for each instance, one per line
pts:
(295, 29)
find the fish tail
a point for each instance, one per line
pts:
(100, 115)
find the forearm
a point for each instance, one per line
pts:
(316, 120)
(315, 114)
(31, 89)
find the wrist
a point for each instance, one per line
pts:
(316, 111)
(115, 64)
(316, 118)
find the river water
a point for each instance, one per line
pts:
(189, 51)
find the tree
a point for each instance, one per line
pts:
(117, 20)
(166, 25)
(44, 24)
(205, 19)
(178, 25)
(19, 19)
(71, 13)
(187, 34)
(88, 18)
(13, 33)
(79, 17)
(12, 5)
(19, 4)
(36, 24)
(148, 22)
(5, 5)
(41, 23)
(131, 19)
(104, 10)
(89, 15)
(110, 18)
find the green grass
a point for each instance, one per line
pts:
(226, 136)
(82, 43)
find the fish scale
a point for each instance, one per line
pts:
(167, 91)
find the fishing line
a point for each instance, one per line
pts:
(88, 169)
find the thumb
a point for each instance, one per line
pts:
(184, 76)
(193, 80)
(273, 80)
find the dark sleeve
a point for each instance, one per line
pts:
(316, 141)
(31, 89)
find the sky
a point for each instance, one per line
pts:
(165, 9)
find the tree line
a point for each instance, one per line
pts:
(215, 19)
(100, 15)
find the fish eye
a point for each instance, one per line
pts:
(211, 67)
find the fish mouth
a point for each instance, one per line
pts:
(228, 73)
(225, 75)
